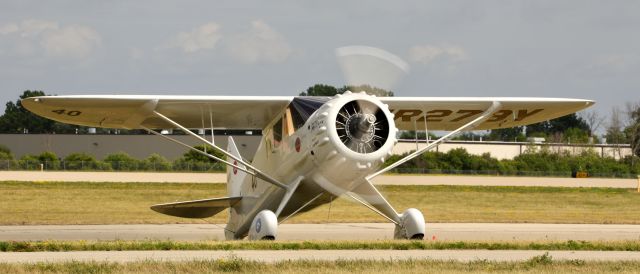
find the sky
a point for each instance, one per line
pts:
(571, 49)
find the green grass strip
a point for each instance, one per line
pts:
(538, 264)
(44, 203)
(33, 246)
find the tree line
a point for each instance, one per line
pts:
(533, 162)
(119, 161)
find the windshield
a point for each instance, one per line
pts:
(303, 107)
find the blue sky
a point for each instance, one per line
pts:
(577, 49)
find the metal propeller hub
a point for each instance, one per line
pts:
(362, 126)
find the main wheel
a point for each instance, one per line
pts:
(411, 225)
(264, 226)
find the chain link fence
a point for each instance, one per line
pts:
(509, 173)
(182, 166)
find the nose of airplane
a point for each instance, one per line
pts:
(360, 135)
(362, 124)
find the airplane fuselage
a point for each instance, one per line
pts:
(316, 151)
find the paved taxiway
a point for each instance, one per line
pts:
(345, 231)
(326, 255)
(62, 176)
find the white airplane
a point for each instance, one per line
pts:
(313, 149)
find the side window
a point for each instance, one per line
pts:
(297, 120)
(277, 133)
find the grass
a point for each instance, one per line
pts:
(35, 246)
(128, 203)
(539, 264)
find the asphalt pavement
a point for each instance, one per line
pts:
(331, 231)
(146, 177)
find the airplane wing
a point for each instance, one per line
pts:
(133, 111)
(450, 113)
(254, 112)
(196, 209)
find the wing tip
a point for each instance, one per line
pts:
(30, 103)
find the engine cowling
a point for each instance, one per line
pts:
(353, 134)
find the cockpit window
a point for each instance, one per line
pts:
(303, 107)
(277, 133)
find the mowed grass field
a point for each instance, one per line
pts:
(537, 264)
(128, 203)
(121, 245)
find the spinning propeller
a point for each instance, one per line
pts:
(362, 65)
(361, 125)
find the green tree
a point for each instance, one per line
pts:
(80, 161)
(632, 131)
(368, 89)
(17, 119)
(568, 128)
(157, 162)
(507, 134)
(121, 161)
(327, 90)
(320, 90)
(572, 123)
(467, 136)
(194, 161)
(29, 162)
(5, 153)
(47, 156)
(49, 160)
(411, 134)
(194, 156)
(575, 135)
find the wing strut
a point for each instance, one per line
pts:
(211, 123)
(392, 218)
(199, 151)
(256, 172)
(369, 196)
(426, 131)
(485, 115)
(301, 208)
(287, 195)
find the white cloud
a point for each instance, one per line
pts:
(8, 29)
(34, 27)
(204, 37)
(611, 65)
(71, 41)
(261, 43)
(616, 62)
(428, 54)
(33, 37)
(136, 53)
